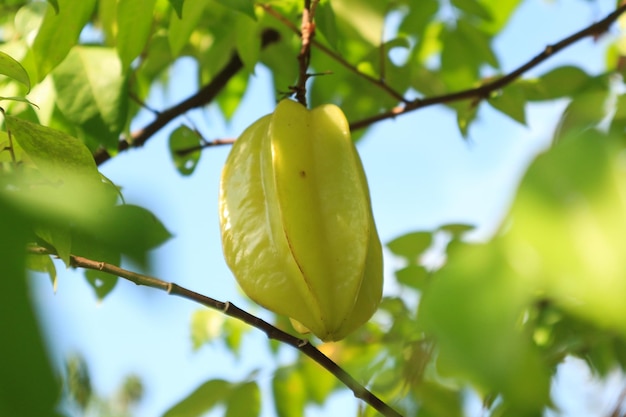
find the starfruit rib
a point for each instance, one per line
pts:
(252, 240)
(323, 204)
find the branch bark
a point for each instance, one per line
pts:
(232, 310)
(485, 90)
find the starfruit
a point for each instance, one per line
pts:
(296, 220)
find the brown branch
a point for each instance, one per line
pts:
(232, 310)
(485, 90)
(204, 96)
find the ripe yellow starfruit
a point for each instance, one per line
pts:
(296, 220)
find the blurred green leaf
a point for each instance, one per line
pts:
(569, 225)
(465, 114)
(584, 112)
(134, 23)
(512, 102)
(413, 276)
(412, 245)
(243, 6)
(456, 229)
(13, 69)
(318, 381)
(59, 32)
(43, 263)
(471, 308)
(178, 5)
(26, 371)
(184, 138)
(59, 237)
(473, 8)
(248, 42)
(132, 229)
(500, 12)
(361, 20)
(290, 393)
(326, 23)
(201, 400)
(55, 5)
(439, 400)
(101, 283)
(206, 326)
(181, 27)
(244, 400)
(556, 83)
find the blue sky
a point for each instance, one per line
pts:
(421, 174)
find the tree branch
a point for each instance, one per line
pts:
(232, 310)
(204, 96)
(485, 90)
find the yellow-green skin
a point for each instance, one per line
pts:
(296, 220)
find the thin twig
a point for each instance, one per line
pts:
(232, 310)
(204, 96)
(206, 144)
(485, 90)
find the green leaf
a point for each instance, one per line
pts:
(180, 28)
(55, 5)
(92, 93)
(289, 392)
(58, 237)
(26, 372)
(412, 245)
(131, 229)
(89, 245)
(243, 6)
(584, 112)
(318, 381)
(206, 326)
(439, 400)
(465, 114)
(473, 7)
(457, 229)
(232, 94)
(472, 308)
(59, 32)
(134, 23)
(512, 102)
(413, 276)
(43, 263)
(326, 22)
(203, 399)
(363, 19)
(244, 400)
(101, 283)
(569, 226)
(248, 42)
(55, 153)
(500, 12)
(13, 69)
(178, 5)
(557, 83)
